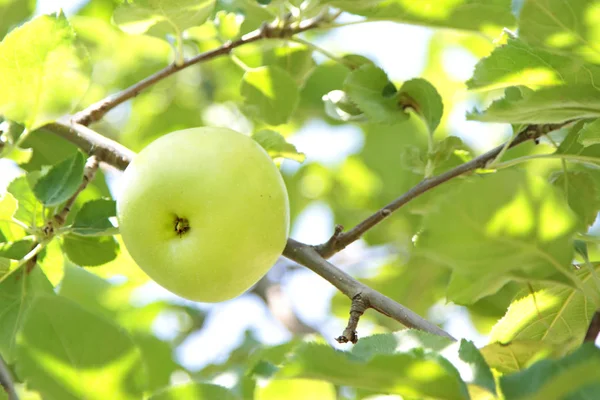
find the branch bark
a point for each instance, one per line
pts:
(341, 240)
(594, 329)
(6, 381)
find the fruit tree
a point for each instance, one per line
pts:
(299, 199)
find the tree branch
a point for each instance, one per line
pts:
(592, 333)
(310, 258)
(341, 240)
(96, 111)
(7, 382)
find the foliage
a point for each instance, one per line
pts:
(514, 243)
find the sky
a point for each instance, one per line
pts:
(227, 321)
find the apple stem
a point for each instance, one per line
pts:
(182, 225)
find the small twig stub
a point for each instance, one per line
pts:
(357, 309)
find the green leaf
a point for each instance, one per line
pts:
(277, 146)
(516, 63)
(563, 27)
(15, 250)
(270, 94)
(463, 355)
(514, 355)
(29, 210)
(194, 391)
(573, 377)
(18, 291)
(547, 105)
(554, 314)
(499, 227)
(590, 133)
(92, 218)
(14, 11)
(161, 17)
(339, 107)
(66, 352)
(43, 75)
(422, 97)
(61, 181)
(478, 15)
(579, 188)
(90, 251)
(368, 88)
(387, 373)
(296, 59)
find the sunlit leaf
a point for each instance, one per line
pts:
(296, 389)
(42, 72)
(574, 377)
(90, 251)
(483, 15)
(562, 26)
(548, 105)
(411, 373)
(514, 355)
(496, 228)
(270, 94)
(581, 193)
(277, 146)
(517, 63)
(67, 352)
(554, 314)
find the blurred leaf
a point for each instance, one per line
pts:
(463, 355)
(277, 146)
(42, 74)
(482, 15)
(581, 193)
(553, 313)
(161, 17)
(367, 88)
(294, 58)
(574, 377)
(15, 250)
(496, 228)
(409, 374)
(67, 352)
(158, 359)
(296, 389)
(563, 27)
(18, 291)
(92, 218)
(547, 105)
(514, 355)
(8, 206)
(339, 107)
(270, 94)
(590, 133)
(516, 63)
(90, 251)
(422, 97)
(29, 210)
(14, 11)
(61, 181)
(194, 391)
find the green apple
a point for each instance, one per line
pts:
(204, 212)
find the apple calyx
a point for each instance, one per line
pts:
(182, 225)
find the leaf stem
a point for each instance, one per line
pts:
(326, 53)
(569, 157)
(29, 256)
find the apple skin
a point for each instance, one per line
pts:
(204, 212)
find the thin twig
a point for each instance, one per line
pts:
(357, 309)
(342, 240)
(594, 329)
(6, 380)
(96, 111)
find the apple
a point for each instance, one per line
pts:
(204, 212)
